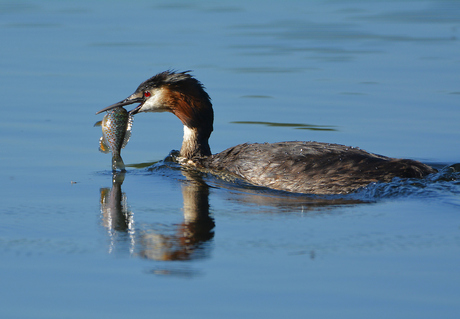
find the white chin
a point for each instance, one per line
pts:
(152, 105)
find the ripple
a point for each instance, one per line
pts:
(444, 184)
(298, 126)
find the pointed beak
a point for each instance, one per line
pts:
(126, 101)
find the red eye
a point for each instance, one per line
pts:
(147, 93)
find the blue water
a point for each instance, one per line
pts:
(381, 75)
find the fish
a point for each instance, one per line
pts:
(116, 131)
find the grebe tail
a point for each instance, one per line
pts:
(300, 167)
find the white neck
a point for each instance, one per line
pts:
(193, 144)
(189, 134)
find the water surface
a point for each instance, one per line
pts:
(77, 242)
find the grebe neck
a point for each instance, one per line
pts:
(195, 143)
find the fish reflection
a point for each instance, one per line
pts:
(185, 241)
(115, 214)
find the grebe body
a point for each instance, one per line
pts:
(300, 167)
(311, 167)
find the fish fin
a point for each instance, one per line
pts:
(117, 163)
(104, 195)
(128, 131)
(103, 147)
(98, 123)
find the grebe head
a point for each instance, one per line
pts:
(185, 97)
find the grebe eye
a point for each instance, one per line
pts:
(147, 94)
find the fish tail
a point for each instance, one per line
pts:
(117, 163)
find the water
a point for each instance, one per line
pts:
(381, 75)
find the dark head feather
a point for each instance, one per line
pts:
(177, 81)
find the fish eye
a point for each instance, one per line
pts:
(147, 94)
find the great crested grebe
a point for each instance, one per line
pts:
(300, 167)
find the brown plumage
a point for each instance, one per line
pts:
(311, 167)
(300, 167)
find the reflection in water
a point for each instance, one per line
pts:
(191, 239)
(115, 214)
(185, 241)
